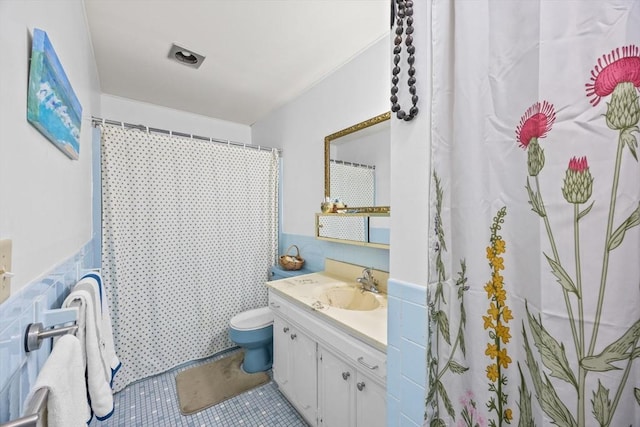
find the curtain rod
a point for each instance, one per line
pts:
(357, 165)
(95, 121)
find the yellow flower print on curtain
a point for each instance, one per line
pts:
(496, 322)
(573, 372)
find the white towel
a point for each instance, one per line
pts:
(96, 340)
(93, 283)
(63, 374)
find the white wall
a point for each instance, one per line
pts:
(45, 198)
(357, 91)
(136, 112)
(45, 204)
(410, 164)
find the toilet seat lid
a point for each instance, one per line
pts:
(252, 319)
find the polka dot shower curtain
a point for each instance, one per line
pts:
(534, 287)
(189, 233)
(353, 184)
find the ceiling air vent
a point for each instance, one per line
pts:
(185, 56)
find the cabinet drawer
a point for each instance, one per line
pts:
(363, 357)
(279, 305)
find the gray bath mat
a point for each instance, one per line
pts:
(205, 385)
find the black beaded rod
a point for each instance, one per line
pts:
(405, 11)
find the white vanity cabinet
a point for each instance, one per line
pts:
(371, 402)
(336, 391)
(348, 376)
(294, 367)
(347, 395)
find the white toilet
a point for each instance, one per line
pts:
(253, 331)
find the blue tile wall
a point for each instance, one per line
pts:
(380, 235)
(18, 369)
(315, 251)
(406, 354)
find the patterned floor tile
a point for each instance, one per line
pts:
(154, 403)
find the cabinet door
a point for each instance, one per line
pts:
(304, 380)
(371, 402)
(336, 385)
(281, 366)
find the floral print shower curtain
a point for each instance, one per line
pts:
(534, 287)
(189, 231)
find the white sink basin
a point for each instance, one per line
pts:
(349, 298)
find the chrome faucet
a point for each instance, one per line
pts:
(367, 281)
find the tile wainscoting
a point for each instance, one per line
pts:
(18, 369)
(315, 251)
(406, 354)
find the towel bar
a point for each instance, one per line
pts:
(34, 410)
(35, 333)
(33, 337)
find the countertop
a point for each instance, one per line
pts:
(370, 326)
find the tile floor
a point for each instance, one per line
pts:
(153, 403)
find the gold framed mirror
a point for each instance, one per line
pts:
(359, 147)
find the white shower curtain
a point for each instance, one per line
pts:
(534, 287)
(355, 185)
(189, 233)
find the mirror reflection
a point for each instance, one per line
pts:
(357, 174)
(357, 165)
(364, 229)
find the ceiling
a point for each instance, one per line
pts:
(260, 54)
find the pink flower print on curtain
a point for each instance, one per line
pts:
(470, 416)
(578, 182)
(535, 124)
(617, 75)
(612, 70)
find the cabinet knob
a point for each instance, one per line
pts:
(360, 386)
(285, 329)
(293, 336)
(345, 375)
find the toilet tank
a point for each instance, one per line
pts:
(277, 273)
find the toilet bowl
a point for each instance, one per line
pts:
(253, 331)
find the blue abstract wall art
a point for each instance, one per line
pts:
(52, 106)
